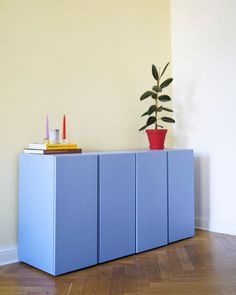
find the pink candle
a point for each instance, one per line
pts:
(47, 128)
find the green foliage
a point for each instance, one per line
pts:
(164, 98)
(155, 72)
(146, 95)
(154, 95)
(142, 128)
(151, 110)
(166, 83)
(150, 121)
(164, 69)
(156, 88)
(167, 119)
(154, 109)
(167, 109)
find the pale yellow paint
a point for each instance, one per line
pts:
(88, 59)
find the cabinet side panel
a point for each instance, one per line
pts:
(181, 194)
(151, 200)
(116, 206)
(35, 211)
(76, 212)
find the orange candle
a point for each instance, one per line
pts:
(64, 128)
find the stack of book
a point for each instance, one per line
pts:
(47, 149)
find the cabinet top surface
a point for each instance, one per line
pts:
(110, 152)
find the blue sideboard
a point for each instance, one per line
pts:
(78, 210)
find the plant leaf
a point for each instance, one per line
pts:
(166, 83)
(167, 109)
(160, 126)
(142, 128)
(150, 121)
(146, 94)
(168, 119)
(160, 109)
(156, 88)
(164, 98)
(145, 114)
(152, 109)
(155, 72)
(154, 95)
(164, 69)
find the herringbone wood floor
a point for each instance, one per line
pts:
(203, 265)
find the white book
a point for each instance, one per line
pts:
(51, 151)
(38, 146)
(33, 151)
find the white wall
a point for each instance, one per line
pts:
(204, 71)
(90, 59)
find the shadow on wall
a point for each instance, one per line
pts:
(202, 191)
(184, 102)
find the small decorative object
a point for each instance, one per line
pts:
(54, 136)
(157, 136)
(51, 143)
(64, 140)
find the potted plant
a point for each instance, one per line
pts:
(157, 135)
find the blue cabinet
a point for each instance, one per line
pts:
(180, 194)
(57, 226)
(79, 210)
(36, 212)
(116, 205)
(151, 200)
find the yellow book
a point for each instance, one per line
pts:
(58, 146)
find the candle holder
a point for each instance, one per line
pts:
(54, 136)
(46, 141)
(64, 141)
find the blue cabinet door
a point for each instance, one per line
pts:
(116, 205)
(151, 200)
(36, 211)
(180, 194)
(76, 212)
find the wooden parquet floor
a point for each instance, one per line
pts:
(203, 265)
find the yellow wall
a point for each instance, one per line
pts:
(90, 59)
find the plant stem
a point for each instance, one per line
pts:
(158, 83)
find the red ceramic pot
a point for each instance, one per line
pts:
(156, 138)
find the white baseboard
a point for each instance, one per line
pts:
(215, 226)
(8, 255)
